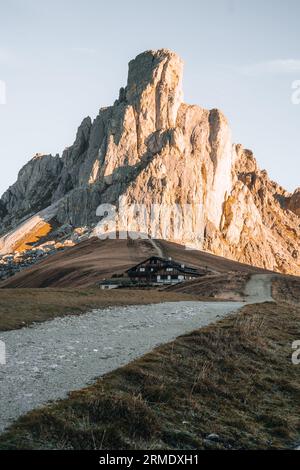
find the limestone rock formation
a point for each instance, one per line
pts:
(33, 190)
(293, 202)
(152, 148)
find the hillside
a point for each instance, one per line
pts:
(92, 260)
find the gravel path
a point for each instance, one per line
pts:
(47, 360)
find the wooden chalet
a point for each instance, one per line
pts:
(156, 270)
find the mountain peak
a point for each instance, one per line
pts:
(154, 86)
(153, 149)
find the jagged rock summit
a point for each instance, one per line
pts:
(151, 147)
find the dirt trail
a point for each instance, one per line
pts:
(46, 361)
(158, 249)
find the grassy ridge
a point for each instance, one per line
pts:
(234, 378)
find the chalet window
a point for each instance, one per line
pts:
(169, 269)
(142, 269)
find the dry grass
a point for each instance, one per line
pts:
(222, 286)
(22, 307)
(234, 378)
(286, 289)
(86, 263)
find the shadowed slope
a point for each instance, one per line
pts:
(92, 260)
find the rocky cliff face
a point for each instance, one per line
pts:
(152, 148)
(33, 191)
(293, 202)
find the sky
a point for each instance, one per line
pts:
(62, 60)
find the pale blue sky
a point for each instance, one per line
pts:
(63, 60)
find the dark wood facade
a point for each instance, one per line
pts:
(161, 271)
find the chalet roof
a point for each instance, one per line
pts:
(167, 263)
